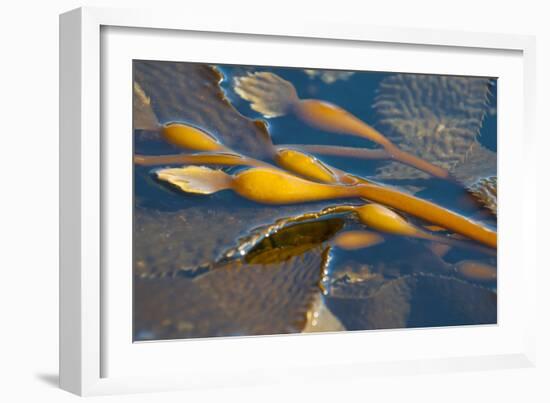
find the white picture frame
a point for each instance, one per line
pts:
(95, 358)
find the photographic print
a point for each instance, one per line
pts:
(273, 200)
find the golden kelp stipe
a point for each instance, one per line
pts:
(383, 219)
(272, 186)
(273, 96)
(340, 151)
(220, 158)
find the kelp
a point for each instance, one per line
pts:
(277, 187)
(232, 299)
(190, 92)
(418, 300)
(485, 190)
(437, 118)
(273, 96)
(171, 243)
(219, 268)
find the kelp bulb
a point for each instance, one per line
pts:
(304, 165)
(383, 219)
(189, 137)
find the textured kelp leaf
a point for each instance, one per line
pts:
(143, 115)
(195, 179)
(190, 93)
(479, 163)
(313, 226)
(485, 190)
(437, 118)
(195, 237)
(267, 93)
(420, 300)
(232, 299)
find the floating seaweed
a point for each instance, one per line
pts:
(218, 268)
(273, 186)
(485, 190)
(273, 96)
(188, 92)
(232, 299)
(405, 301)
(169, 244)
(436, 118)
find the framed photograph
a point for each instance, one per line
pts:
(243, 203)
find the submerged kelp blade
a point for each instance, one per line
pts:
(267, 93)
(293, 240)
(436, 118)
(232, 299)
(480, 162)
(143, 116)
(313, 225)
(193, 179)
(169, 242)
(420, 300)
(191, 92)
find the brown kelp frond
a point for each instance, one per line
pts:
(232, 299)
(143, 116)
(404, 301)
(195, 179)
(479, 162)
(267, 234)
(436, 118)
(267, 93)
(191, 92)
(293, 240)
